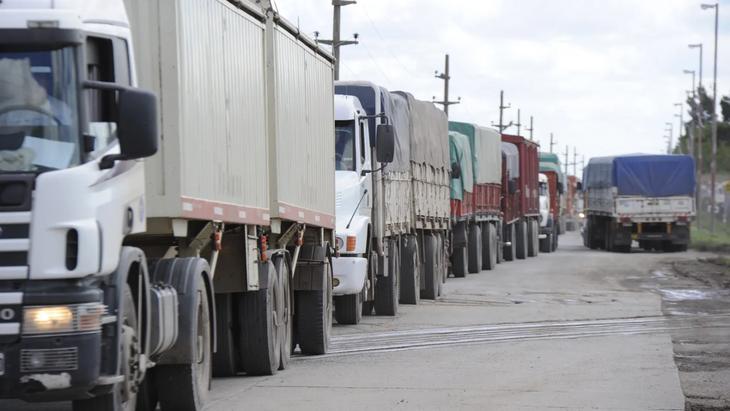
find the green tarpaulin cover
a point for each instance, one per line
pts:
(460, 152)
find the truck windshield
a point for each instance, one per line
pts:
(345, 146)
(39, 123)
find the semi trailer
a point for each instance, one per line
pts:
(131, 283)
(550, 167)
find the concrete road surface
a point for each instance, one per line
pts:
(571, 330)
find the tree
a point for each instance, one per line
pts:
(725, 106)
(706, 108)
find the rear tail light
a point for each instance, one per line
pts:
(625, 219)
(682, 218)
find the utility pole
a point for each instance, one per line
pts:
(531, 128)
(551, 142)
(336, 42)
(713, 162)
(446, 77)
(681, 126)
(567, 152)
(583, 164)
(575, 161)
(670, 144)
(518, 122)
(501, 112)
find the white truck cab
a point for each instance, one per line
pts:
(353, 208)
(546, 217)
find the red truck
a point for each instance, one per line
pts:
(520, 204)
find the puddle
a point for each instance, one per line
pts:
(696, 294)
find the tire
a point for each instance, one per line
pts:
(113, 401)
(500, 241)
(260, 353)
(532, 240)
(369, 306)
(510, 251)
(489, 246)
(667, 247)
(681, 247)
(459, 261)
(348, 309)
(475, 249)
(521, 240)
(226, 361)
(184, 387)
(387, 289)
(546, 244)
(554, 242)
(410, 287)
(441, 263)
(430, 268)
(314, 317)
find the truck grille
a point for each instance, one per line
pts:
(15, 214)
(59, 359)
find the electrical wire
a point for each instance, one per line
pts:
(350, 70)
(376, 63)
(386, 44)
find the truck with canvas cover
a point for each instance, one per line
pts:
(509, 204)
(639, 197)
(550, 167)
(573, 207)
(480, 233)
(462, 197)
(521, 236)
(392, 215)
(138, 279)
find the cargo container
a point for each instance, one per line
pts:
(394, 216)
(521, 235)
(211, 256)
(478, 233)
(644, 198)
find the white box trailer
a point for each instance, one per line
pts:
(245, 164)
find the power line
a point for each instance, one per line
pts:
(376, 63)
(386, 44)
(350, 70)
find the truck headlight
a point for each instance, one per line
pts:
(62, 319)
(581, 215)
(339, 243)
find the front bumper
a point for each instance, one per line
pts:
(72, 368)
(351, 273)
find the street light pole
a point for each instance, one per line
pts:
(713, 163)
(699, 127)
(669, 143)
(691, 135)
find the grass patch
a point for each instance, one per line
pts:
(703, 240)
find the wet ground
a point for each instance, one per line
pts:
(699, 290)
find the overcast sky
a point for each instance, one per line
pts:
(602, 76)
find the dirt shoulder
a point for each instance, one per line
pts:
(700, 292)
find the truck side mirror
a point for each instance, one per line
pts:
(385, 143)
(560, 188)
(579, 186)
(455, 170)
(512, 187)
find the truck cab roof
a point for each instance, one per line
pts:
(346, 107)
(64, 14)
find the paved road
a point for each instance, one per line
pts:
(572, 330)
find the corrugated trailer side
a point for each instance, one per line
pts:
(205, 61)
(429, 164)
(304, 122)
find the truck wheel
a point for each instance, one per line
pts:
(410, 290)
(369, 306)
(532, 245)
(475, 249)
(441, 263)
(184, 387)
(122, 398)
(260, 353)
(521, 240)
(500, 241)
(681, 247)
(459, 261)
(554, 243)
(387, 289)
(489, 247)
(546, 244)
(284, 312)
(226, 361)
(430, 268)
(314, 317)
(510, 253)
(348, 309)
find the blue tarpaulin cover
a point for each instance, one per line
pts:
(642, 174)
